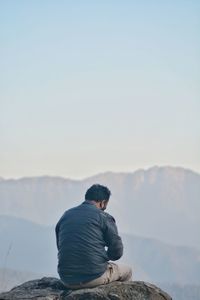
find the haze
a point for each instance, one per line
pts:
(92, 86)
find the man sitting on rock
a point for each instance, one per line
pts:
(87, 239)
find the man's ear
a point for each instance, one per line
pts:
(101, 204)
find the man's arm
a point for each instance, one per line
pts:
(112, 239)
(56, 231)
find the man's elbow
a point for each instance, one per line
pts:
(115, 254)
(115, 257)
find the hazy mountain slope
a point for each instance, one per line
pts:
(10, 278)
(160, 260)
(163, 203)
(33, 248)
(181, 292)
(26, 246)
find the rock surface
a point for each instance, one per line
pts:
(49, 288)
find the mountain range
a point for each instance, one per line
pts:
(10, 278)
(26, 246)
(161, 203)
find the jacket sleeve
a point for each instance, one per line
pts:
(56, 231)
(112, 239)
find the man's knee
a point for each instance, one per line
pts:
(129, 274)
(125, 273)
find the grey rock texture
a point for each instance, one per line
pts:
(49, 288)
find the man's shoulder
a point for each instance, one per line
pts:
(67, 213)
(80, 210)
(107, 216)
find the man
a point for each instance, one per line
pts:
(87, 239)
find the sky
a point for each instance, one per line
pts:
(94, 86)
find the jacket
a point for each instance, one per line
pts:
(87, 238)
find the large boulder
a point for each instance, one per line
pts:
(49, 288)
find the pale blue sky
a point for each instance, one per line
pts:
(92, 86)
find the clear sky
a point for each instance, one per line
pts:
(94, 86)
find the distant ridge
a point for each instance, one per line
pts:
(178, 168)
(34, 248)
(160, 202)
(10, 278)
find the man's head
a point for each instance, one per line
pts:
(99, 195)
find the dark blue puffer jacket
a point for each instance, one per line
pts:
(82, 234)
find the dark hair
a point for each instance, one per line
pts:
(97, 193)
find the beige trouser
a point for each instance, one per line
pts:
(114, 272)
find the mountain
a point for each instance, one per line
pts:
(182, 292)
(26, 246)
(10, 278)
(155, 261)
(161, 202)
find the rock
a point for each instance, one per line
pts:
(49, 288)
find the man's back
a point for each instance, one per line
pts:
(82, 234)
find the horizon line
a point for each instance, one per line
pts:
(100, 173)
